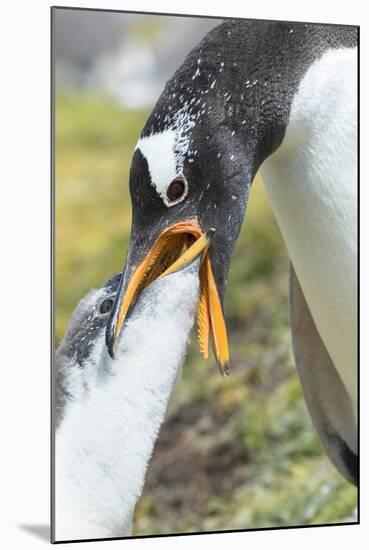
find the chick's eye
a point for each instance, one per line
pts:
(106, 306)
(176, 190)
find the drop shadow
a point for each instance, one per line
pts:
(40, 531)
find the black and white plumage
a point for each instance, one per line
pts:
(77, 347)
(281, 98)
(252, 95)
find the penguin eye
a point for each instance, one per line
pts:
(177, 189)
(106, 306)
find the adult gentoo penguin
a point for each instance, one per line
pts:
(108, 412)
(278, 97)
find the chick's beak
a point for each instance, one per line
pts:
(175, 248)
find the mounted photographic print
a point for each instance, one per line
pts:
(205, 282)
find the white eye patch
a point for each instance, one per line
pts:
(162, 160)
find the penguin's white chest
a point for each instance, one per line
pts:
(312, 185)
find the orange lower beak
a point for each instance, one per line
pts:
(175, 248)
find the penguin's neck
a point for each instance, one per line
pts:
(311, 182)
(235, 89)
(111, 422)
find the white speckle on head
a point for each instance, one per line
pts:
(231, 157)
(213, 84)
(196, 73)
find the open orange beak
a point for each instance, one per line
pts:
(174, 249)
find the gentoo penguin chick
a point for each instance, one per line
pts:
(108, 412)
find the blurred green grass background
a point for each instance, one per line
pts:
(232, 454)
